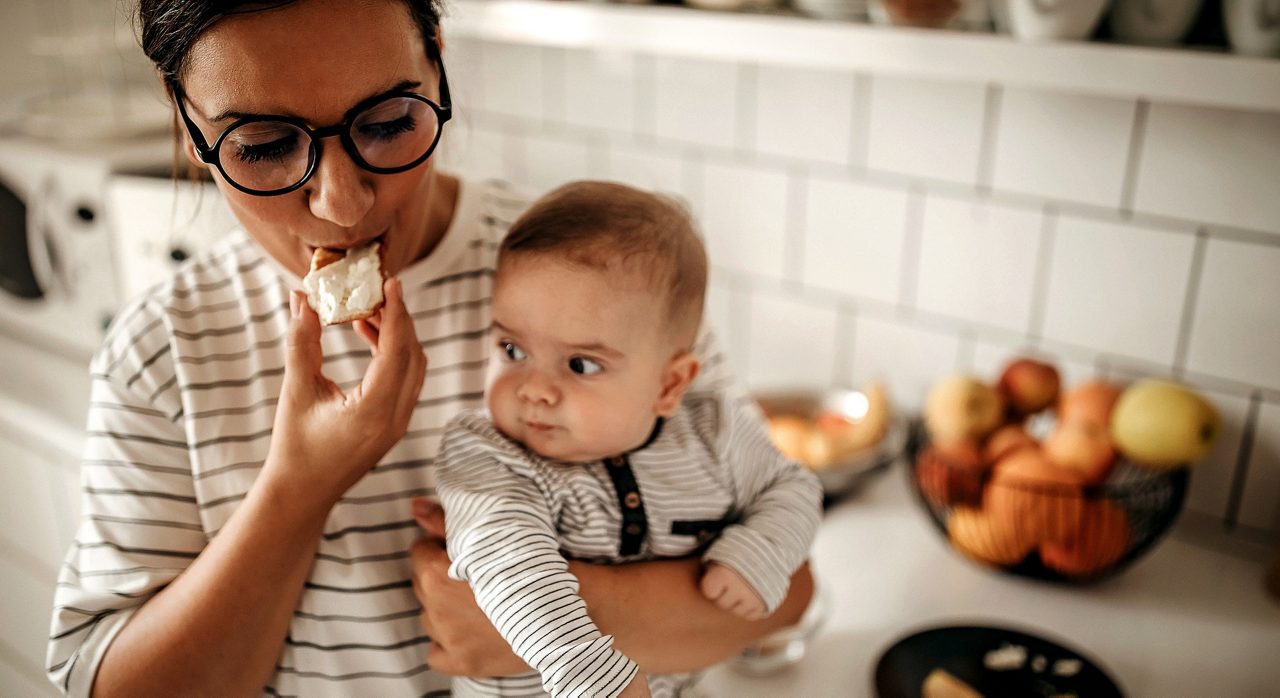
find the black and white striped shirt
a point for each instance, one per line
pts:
(709, 475)
(183, 400)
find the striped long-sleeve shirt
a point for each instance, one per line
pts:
(183, 401)
(709, 475)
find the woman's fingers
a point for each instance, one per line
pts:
(368, 332)
(304, 357)
(399, 363)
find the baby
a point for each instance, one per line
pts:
(588, 445)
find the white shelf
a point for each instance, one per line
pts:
(1154, 74)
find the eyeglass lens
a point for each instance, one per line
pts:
(272, 155)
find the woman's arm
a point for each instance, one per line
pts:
(218, 627)
(654, 610)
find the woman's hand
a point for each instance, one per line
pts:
(463, 641)
(327, 440)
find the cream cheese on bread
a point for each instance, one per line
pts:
(345, 286)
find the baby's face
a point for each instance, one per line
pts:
(579, 358)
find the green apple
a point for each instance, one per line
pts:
(1163, 425)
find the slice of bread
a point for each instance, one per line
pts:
(345, 285)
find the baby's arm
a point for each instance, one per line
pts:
(502, 540)
(780, 504)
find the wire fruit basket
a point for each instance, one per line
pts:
(1030, 523)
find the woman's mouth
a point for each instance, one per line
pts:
(381, 237)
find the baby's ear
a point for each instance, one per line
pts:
(676, 378)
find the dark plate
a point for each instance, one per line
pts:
(961, 650)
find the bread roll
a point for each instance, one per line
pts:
(345, 286)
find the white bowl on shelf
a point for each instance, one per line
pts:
(1253, 26)
(1044, 20)
(833, 9)
(1153, 22)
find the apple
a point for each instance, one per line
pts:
(1082, 446)
(972, 533)
(1030, 494)
(1102, 540)
(1091, 402)
(1006, 440)
(962, 406)
(951, 473)
(1162, 425)
(1029, 385)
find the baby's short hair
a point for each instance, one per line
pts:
(613, 227)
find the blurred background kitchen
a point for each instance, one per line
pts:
(890, 191)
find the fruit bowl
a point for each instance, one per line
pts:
(842, 436)
(1028, 520)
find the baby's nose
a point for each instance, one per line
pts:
(538, 388)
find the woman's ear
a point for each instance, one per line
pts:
(678, 375)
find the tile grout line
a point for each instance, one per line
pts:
(1187, 324)
(911, 244)
(985, 175)
(795, 226)
(1231, 516)
(860, 128)
(551, 61)
(1137, 136)
(745, 135)
(846, 335)
(1044, 274)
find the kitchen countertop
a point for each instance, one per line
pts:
(1185, 620)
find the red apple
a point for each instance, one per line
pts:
(1006, 440)
(951, 473)
(1102, 540)
(1091, 402)
(1029, 493)
(1029, 385)
(1082, 446)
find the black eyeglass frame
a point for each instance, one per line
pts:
(211, 154)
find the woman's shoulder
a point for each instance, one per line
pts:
(218, 281)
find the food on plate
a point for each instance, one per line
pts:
(972, 532)
(942, 684)
(1101, 540)
(1083, 446)
(1091, 402)
(962, 406)
(1006, 440)
(1162, 425)
(1029, 385)
(1067, 667)
(951, 473)
(345, 285)
(831, 436)
(1006, 657)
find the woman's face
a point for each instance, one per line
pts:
(315, 60)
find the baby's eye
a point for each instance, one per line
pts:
(583, 366)
(513, 352)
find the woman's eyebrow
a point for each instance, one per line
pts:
(232, 114)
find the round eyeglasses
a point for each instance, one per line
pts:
(270, 155)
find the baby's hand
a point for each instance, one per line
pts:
(731, 592)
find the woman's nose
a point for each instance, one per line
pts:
(340, 191)
(538, 388)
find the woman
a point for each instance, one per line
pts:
(248, 476)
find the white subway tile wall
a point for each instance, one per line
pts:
(1236, 322)
(978, 261)
(1260, 504)
(926, 128)
(792, 343)
(853, 238)
(1063, 146)
(939, 226)
(744, 217)
(805, 114)
(1117, 287)
(696, 101)
(1213, 165)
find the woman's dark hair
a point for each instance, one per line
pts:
(169, 28)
